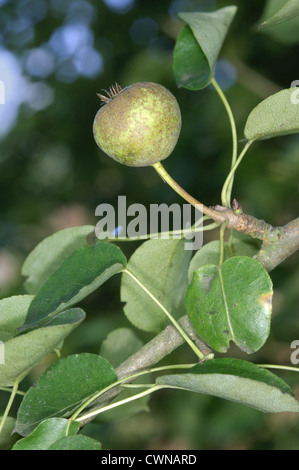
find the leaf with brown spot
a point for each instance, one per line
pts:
(236, 306)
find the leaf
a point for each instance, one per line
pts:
(46, 434)
(62, 388)
(23, 352)
(190, 66)
(277, 115)
(78, 442)
(13, 311)
(210, 253)
(286, 12)
(280, 21)
(48, 255)
(194, 64)
(231, 303)
(80, 274)
(161, 266)
(239, 381)
(119, 345)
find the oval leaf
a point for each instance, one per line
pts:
(231, 303)
(23, 352)
(162, 266)
(276, 116)
(239, 381)
(209, 30)
(81, 273)
(48, 255)
(62, 388)
(46, 434)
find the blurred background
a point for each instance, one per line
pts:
(55, 56)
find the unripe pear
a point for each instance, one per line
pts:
(138, 125)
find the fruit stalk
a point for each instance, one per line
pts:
(215, 215)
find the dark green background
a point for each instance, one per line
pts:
(52, 176)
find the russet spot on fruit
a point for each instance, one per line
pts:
(138, 125)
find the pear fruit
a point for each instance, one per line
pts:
(138, 125)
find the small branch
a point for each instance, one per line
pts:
(278, 242)
(150, 354)
(272, 253)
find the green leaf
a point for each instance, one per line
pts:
(286, 12)
(62, 388)
(190, 66)
(161, 266)
(78, 442)
(13, 311)
(210, 253)
(239, 381)
(80, 274)
(46, 434)
(23, 352)
(119, 345)
(194, 64)
(276, 116)
(48, 255)
(285, 32)
(231, 303)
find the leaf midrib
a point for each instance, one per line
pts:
(225, 305)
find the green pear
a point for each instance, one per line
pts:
(138, 125)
